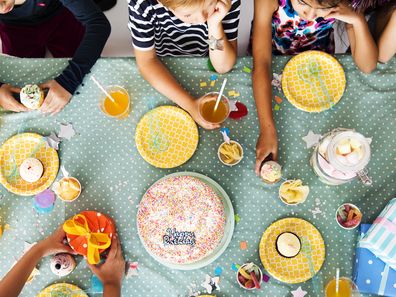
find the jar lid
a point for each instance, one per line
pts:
(349, 151)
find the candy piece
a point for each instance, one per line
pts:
(244, 273)
(266, 278)
(249, 284)
(243, 245)
(255, 281)
(353, 158)
(355, 144)
(241, 279)
(344, 147)
(350, 215)
(347, 207)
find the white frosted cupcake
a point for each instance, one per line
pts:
(62, 264)
(271, 172)
(31, 170)
(32, 96)
(288, 245)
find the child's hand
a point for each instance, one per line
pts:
(7, 101)
(194, 112)
(53, 244)
(221, 10)
(56, 98)
(112, 271)
(345, 13)
(267, 144)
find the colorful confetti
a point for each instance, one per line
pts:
(66, 131)
(237, 218)
(212, 83)
(278, 99)
(218, 271)
(235, 267)
(213, 77)
(231, 93)
(247, 69)
(243, 245)
(277, 107)
(266, 278)
(203, 84)
(299, 292)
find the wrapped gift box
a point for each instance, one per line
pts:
(89, 234)
(370, 274)
(380, 239)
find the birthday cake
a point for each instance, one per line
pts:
(181, 220)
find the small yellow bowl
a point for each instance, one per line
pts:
(237, 161)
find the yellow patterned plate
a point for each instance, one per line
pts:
(14, 151)
(62, 289)
(313, 81)
(298, 269)
(166, 137)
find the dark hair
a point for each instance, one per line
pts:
(363, 5)
(328, 3)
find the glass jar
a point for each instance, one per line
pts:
(341, 156)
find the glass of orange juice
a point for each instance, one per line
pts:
(119, 107)
(206, 108)
(346, 288)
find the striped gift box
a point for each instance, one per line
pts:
(380, 239)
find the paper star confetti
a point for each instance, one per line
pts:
(246, 69)
(311, 139)
(243, 245)
(211, 284)
(66, 131)
(226, 134)
(52, 141)
(299, 292)
(233, 105)
(131, 269)
(237, 218)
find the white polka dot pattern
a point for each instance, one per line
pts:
(114, 177)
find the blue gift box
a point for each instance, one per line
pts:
(370, 274)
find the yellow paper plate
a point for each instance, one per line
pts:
(166, 137)
(291, 270)
(313, 81)
(62, 289)
(14, 151)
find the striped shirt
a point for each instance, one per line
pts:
(154, 26)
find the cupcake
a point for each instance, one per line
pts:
(67, 189)
(31, 170)
(62, 264)
(32, 96)
(288, 245)
(271, 172)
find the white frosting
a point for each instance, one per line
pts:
(62, 264)
(288, 244)
(31, 170)
(32, 96)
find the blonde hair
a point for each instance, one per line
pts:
(172, 4)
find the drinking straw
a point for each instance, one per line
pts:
(337, 281)
(102, 89)
(220, 94)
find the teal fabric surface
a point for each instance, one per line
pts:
(103, 156)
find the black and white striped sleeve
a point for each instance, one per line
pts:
(231, 20)
(141, 24)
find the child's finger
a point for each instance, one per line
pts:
(15, 89)
(114, 248)
(47, 102)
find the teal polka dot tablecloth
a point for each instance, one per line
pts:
(114, 177)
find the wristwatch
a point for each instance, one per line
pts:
(216, 44)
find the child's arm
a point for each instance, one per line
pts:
(387, 40)
(222, 60)
(363, 47)
(267, 142)
(112, 271)
(12, 284)
(162, 80)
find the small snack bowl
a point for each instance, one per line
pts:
(67, 189)
(249, 276)
(348, 216)
(231, 153)
(293, 192)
